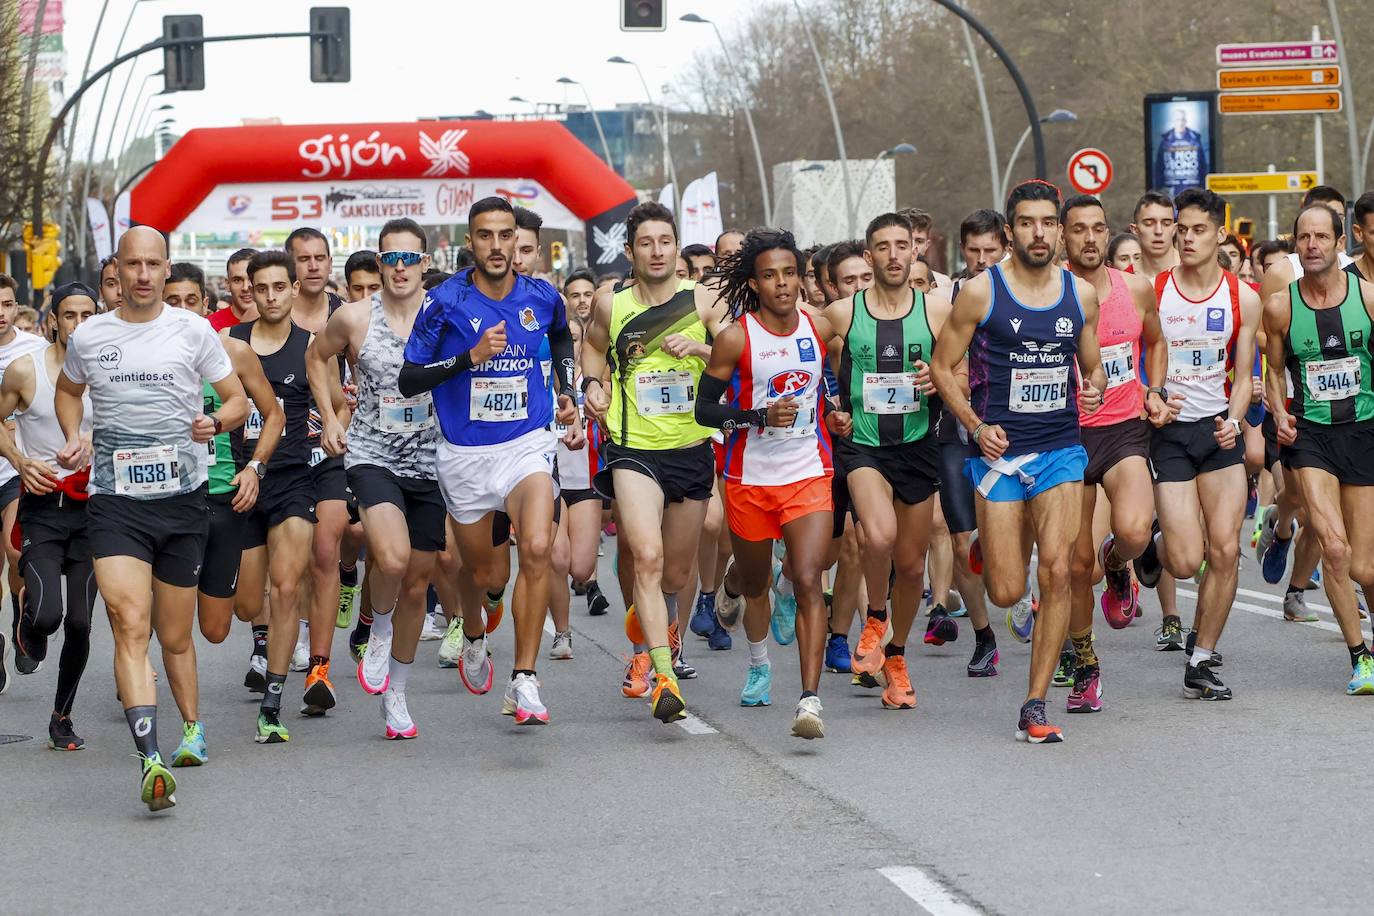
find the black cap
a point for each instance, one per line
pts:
(73, 289)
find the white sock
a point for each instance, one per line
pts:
(758, 652)
(1200, 655)
(400, 673)
(784, 585)
(381, 623)
(303, 634)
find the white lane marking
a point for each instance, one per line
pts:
(694, 726)
(1269, 612)
(548, 626)
(929, 894)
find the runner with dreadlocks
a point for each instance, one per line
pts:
(777, 457)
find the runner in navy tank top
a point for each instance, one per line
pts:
(1024, 323)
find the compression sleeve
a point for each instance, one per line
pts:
(711, 412)
(561, 353)
(417, 379)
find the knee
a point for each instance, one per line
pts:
(284, 596)
(752, 583)
(535, 548)
(1005, 592)
(1083, 565)
(648, 558)
(1336, 551)
(910, 568)
(879, 537)
(1054, 571)
(389, 563)
(1223, 553)
(178, 643)
(713, 524)
(1133, 537)
(214, 632)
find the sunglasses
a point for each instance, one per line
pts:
(408, 258)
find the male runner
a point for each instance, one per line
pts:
(362, 276)
(1153, 223)
(476, 346)
(241, 307)
(51, 517)
(111, 294)
(849, 270)
(1320, 331)
(728, 242)
(1024, 323)
(146, 520)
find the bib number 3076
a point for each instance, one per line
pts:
(1038, 390)
(146, 471)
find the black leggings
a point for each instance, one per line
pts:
(43, 614)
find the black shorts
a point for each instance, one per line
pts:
(1343, 450)
(9, 491)
(573, 497)
(168, 533)
(219, 574)
(1182, 450)
(1272, 453)
(53, 527)
(956, 492)
(681, 473)
(912, 469)
(418, 499)
(287, 492)
(1107, 445)
(330, 480)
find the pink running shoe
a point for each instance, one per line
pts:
(1118, 598)
(1086, 693)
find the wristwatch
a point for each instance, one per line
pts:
(219, 424)
(1235, 424)
(257, 467)
(1159, 390)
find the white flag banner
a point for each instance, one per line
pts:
(689, 224)
(122, 222)
(665, 197)
(711, 225)
(100, 228)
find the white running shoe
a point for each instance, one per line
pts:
(256, 678)
(300, 658)
(374, 671)
(522, 701)
(452, 645)
(806, 723)
(562, 646)
(474, 666)
(728, 607)
(430, 631)
(397, 716)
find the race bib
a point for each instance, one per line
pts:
(891, 394)
(803, 426)
(252, 427)
(1118, 362)
(1197, 359)
(146, 471)
(499, 400)
(1038, 390)
(1333, 379)
(659, 393)
(317, 455)
(405, 415)
(211, 448)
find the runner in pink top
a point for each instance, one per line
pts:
(1117, 439)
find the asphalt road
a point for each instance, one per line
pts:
(1154, 805)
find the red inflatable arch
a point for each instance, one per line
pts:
(544, 151)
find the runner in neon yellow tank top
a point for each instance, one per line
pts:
(648, 344)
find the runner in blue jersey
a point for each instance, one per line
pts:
(476, 346)
(1023, 325)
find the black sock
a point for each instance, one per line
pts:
(319, 660)
(1191, 642)
(1356, 652)
(348, 575)
(143, 726)
(1292, 590)
(985, 636)
(892, 650)
(260, 641)
(809, 693)
(271, 697)
(878, 615)
(495, 597)
(529, 671)
(431, 600)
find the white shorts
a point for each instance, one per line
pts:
(476, 479)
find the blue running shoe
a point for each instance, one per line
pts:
(756, 686)
(837, 654)
(1274, 562)
(783, 622)
(191, 752)
(1362, 678)
(703, 621)
(719, 638)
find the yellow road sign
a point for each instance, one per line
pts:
(1279, 102)
(1279, 78)
(1261, 182)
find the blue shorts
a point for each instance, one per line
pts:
(1025, 477)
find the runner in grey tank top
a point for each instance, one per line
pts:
(388, 430)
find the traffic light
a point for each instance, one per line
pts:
(642, 16)
(556, 255)
(43, 255)
(1244, 230)
(329, 54)
(183, 65)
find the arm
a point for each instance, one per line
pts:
(725, 354)
(249, 371)
(38, 476)
(1156, 355)
(595, 344)
(232, 413)
(1277, 316)
(974, 298)
(69, 409)
(1250, 311)
(1089, 351)
(320, 362)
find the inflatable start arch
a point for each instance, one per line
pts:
(346, 174)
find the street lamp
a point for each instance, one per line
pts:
(743, 103)
(138, 132)
(524, 101)
(71, 127)
(605, 147)
(834, 118)
(792, 179)
(662, 129)
(109, 141)
(1058, 116)
(901, 149)
(130, 124)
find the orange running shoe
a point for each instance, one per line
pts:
(319, 692)
(633, 631)
(868, 654)
(899, 693)
(668, 705)
(636, 683)
(494, 610)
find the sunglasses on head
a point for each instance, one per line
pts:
(408, 258)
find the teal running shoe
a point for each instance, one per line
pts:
(783, 622)
(191, 752)
(757, 686)
(1362, 678)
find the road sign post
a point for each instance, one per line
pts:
(1227, 183)
(1090, 171)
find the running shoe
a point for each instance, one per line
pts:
(562, 646)
(1201, 575)
(61, 735)
(431, 631)
(397, 716)
(681, 667)
(598, 604)
(300, 656)
(1191, 643)
(1266, 531)
(1118, 599)
(984, 661)
(637, 681)
(522, 701)
(1034, 728)
(868, 654)
(493, 609)
(357, 640)
(666, 702)
(837, 654)
(865, 680)
(270, 729)
(806, 721)
(158, 784)
(956, 604)
(348, 596)
(783, 621)
(374, 671)
(475, 669)
(256, 678)
(728, 608)
(1021, 618)
(898, 694)
(318, 697)
(1201, 683)
(1064, 672)
(452, 645)
(941, 628)
(4, 666)
(1261, 516)
(1086, 695)
(1251, 501)
(757, 684)
(25, 662)
(634, 630)
(1169, 636)
(1274, 560)
(720, 638)
(1295, 608)
(975, 555)
(191, 752)
(1362, 678)
(1148, 567)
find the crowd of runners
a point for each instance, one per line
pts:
(844, 435)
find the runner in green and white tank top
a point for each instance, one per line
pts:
(1327, 353)
(878, 385)
(221, 461)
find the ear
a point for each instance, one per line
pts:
(868, 257)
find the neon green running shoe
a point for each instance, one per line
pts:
(1200, 574)
(158, 784)
(270, 729)
(1063, 674)
(348, 596)
(191, 752)
(1362, 678)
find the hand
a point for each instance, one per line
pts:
(575, 438)
(247, 496)
(350, 393)
(1160, 412)
(923, 378)
(1225, 433)
(39, 477)
(596, 402)
(1256, 389)
(493, 343)
(333, 439)
(679, 346)
(1286, 427)
(566, 412)
(782, 412)
(202, 428)
(1089, 397)
(839, 423)
(993, 442)
(73, 455)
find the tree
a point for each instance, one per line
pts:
(18, 160)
